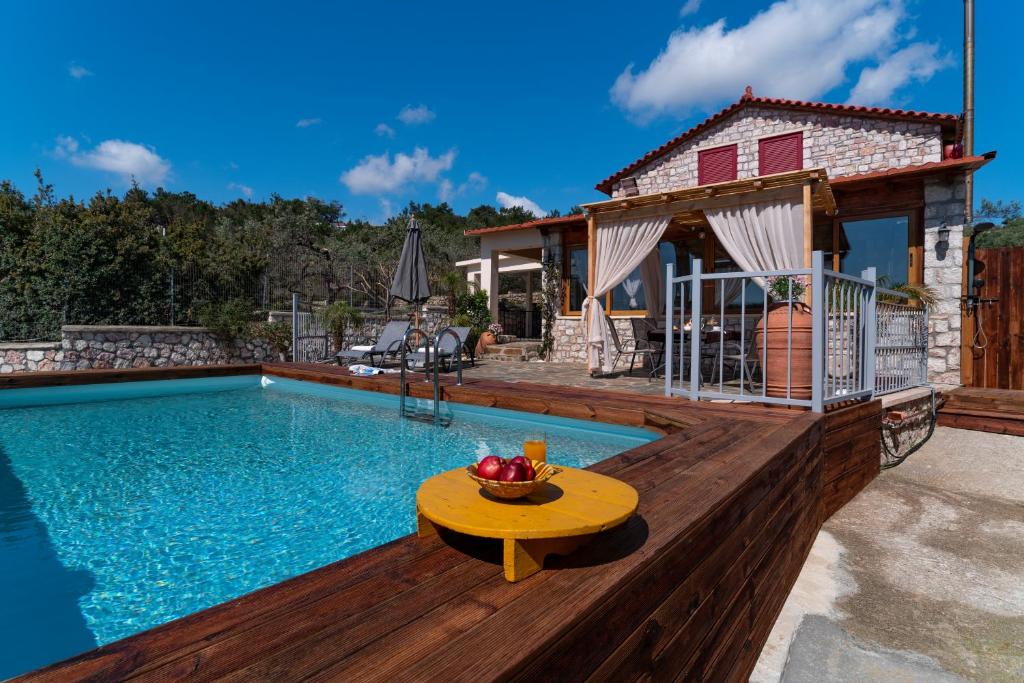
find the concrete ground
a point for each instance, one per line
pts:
(919, 578)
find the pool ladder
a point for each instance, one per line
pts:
(435, 358)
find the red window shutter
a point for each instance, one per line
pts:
(780, 153)
(716, 165)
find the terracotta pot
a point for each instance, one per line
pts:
(778, 359)
(486, 339)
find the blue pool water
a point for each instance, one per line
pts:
(143, 502)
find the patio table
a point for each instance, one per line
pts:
(561, 515)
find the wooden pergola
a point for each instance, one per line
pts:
(687, 205)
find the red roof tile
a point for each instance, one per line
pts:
(538, 223)
(748, 99)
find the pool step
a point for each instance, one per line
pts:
(422, 410)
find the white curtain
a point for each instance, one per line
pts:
(765, 235)
(654, 284)
(621, 246)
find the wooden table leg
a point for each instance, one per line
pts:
(525, 557)
(424, 527)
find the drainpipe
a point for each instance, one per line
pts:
(969, 105)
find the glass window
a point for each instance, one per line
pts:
(577, 277)
(628, 295)
(878, 242)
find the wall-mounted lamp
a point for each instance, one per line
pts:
(942, 242)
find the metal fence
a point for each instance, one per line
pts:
(901, 343)
(178, 294)
(311, 342)
(836, 343)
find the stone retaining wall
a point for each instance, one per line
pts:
(85, 347)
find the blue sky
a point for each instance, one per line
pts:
(376, 104)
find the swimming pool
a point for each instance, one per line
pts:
(123, 506)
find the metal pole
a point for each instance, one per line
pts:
(295, 327)
(670, 273)
(871, 332)
(817, 332)
(969, 105)
(697, 292)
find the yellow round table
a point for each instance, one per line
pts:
(561, 515)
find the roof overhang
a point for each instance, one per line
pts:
(971, 163)
(695, 199)
(540, 223)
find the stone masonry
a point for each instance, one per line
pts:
(842, 145)
(86, 347)
(943, 264)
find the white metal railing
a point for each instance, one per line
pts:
(828, 348)
(901, 343)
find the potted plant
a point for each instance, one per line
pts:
(786, 355)
(338, 317)
(489, 337)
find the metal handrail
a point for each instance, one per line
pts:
(437, 358)
(405, 347)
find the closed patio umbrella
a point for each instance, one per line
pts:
(410, 283)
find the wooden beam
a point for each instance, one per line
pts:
(808, 225)
(591, 252)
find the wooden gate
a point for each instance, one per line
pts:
(997, 350)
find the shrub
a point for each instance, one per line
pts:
(278, 335)
(229, 320)
(338, 317)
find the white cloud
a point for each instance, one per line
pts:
(306, 123)
(412, 116)
(66, 146)
(916, 62)
(243, 189)
(384, 130)
(690, 7)
(379, 174)
(447, 190)
(796, 48)
(77, 71)
(130, 160)
(508, 201)
(386, 209)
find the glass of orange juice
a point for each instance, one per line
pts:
(536, 447)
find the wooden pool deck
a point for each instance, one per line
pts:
(1000, 411)
(730, 500)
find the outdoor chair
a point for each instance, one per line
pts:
(731, 355)
(389, 343)
(448, 350)
(637, 348)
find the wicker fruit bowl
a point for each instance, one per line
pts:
(510, 490)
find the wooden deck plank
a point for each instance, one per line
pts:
(999, 411)
(730, 500)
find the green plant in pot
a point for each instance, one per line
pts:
(339, 316)
(784, 339)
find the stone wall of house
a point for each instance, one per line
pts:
(842, 145)
(944, 206)
(86, 347)
(570, 345)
